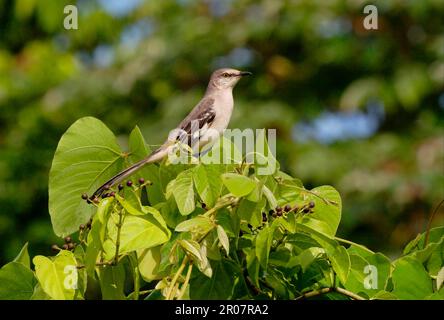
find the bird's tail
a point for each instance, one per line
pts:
(153, 157)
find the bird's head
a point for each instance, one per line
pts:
(226, 78)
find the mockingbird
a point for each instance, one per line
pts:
(209, 118)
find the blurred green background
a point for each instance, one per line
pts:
(362, 110)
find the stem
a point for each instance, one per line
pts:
(429, 224)
(185, 284)
(315, 293)
(119, 227)
(176, 276)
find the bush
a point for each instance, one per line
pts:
(204, 231)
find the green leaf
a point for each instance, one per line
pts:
(384, 295)
(112, 279)
(327, 210)
(148, 263)
(87, 155)
(128, 207)
(237, 184)
(219, 286)
(340, 261)
(199, 224)
(410, 279)
(17, 281)
(23, 256)
(264, 240)
(183, 192)
(137, 232)
(58, 278)
(192, 247)
(138, 151)
(94, 244)
(208, 183)
(223, 239)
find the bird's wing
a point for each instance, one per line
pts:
(198, 121)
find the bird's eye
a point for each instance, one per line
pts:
(226, 75)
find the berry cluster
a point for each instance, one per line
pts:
(112, 193)
(68, 245)
(283, 212)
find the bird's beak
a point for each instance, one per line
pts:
(244, 73)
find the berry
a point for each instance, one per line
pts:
(279, 213)
(82, 227)
(65, 247)
(270, 212)
(141, 180)
(287, 208)
(105, 195)
(68, 239)
(250, 226)
(120, 186)
(129, 183)
(311, 204)
(112, 194)
(96, 200)
(306, 210)
(278, 209)
(274, 214)
(55, 248)
(107, 187)
(84, 196)
(203, 205)
(71, 246)
(264, 218)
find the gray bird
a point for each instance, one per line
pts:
(209, 118)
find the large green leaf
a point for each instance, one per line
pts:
(237, 184)
(17, 282)
(183, 191)
(138, 151)
(219, 286)
(264, 240)
(410, 279)
(57, 277)
(112, 279)
(208, 183)
(148, 263)
(137, 232)
(23, 256)
(87, 155)
(327, 210)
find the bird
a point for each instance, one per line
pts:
(209, 118)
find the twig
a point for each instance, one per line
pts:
(342, 291)
(119, 227)
(185, 284)
(176, 276)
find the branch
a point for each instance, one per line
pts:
(342, 291)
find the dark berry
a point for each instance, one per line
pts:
(295, 209)
(278, 209)
(274, 214)
(105, 195)
(250, 226)
(306, 210)
(279, 213)
(264, 218)
(141, 180)
(311, 204)
(71, 246)
(270, 212)
(82, 227)
(129, 183)
(241, 233)
(68, 239)
(55, 248)
(107, 187)
(112, 194)
(96, 200)
(65, 247)
(287, 208)
(203, 205)
(120, 186)
(84, 196)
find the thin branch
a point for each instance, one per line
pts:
(176, 276)
(319, 292)
(185, 284)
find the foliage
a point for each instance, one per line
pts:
(215, 231)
